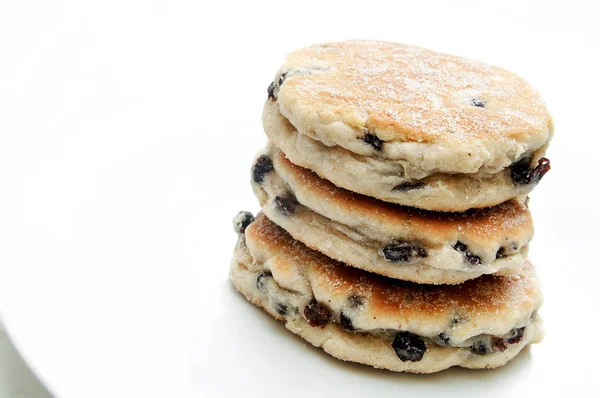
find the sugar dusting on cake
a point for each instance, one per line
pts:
(412, 94)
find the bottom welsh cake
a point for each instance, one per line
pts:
(366, 318)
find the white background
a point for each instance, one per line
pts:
(127, 132)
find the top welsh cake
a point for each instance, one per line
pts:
(409, 125)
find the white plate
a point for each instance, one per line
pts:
(127, 135)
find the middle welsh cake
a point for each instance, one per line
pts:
(388, 239)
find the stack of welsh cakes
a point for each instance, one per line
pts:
(394, 225)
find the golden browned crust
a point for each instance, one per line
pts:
(375, 348)
(488, 303)
(507, 222)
